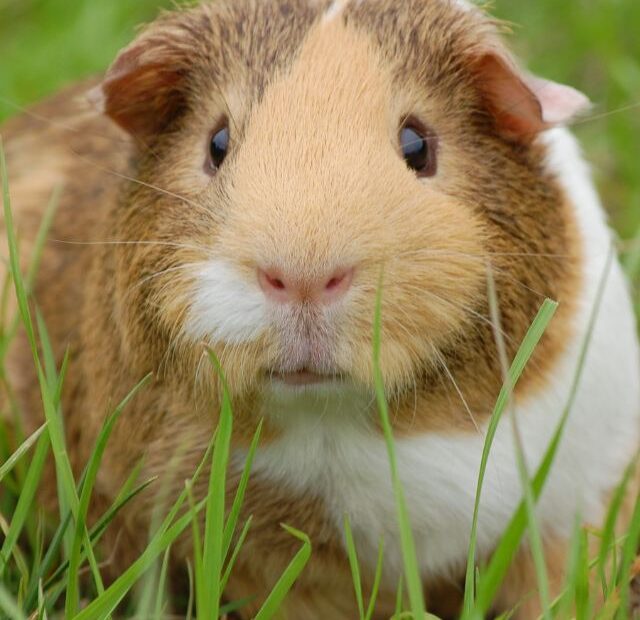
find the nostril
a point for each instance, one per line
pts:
(276, 283)
(338, 284)
(272, 283)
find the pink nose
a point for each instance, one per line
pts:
(281, 288)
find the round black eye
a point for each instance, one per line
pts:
(218, 147)
(419, 150)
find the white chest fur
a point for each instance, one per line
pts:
(349, 469)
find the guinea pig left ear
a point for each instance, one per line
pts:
(524, 105)
(144, 87)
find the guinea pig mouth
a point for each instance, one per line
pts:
(301, 378)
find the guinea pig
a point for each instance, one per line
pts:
(247, 178)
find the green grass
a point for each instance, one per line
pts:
(591, 44)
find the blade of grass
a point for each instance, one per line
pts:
(105, 604)
(25, 501)
(234, 555)
(399, 596)
(529, 343)
(169, 530)
(47, 562)
(376, 582)
(564, 603)
(160, 602)
(200, 583)
(535, 539)
(629, 553)
(42, 608)
(411, 570)
(234, 513)
(288, 577)
(191, 590)
(581, 584)
(214, 520)
(229, 608)
(509, 543)
(353, 563)
(608, 532)
(34, 263)
(48, 384)
(81, 534)
(26, 445)
(10, 606)
(95, 534)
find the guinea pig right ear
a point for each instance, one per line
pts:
(145, 86)
(523, 105)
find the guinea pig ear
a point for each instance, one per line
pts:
(524, 105)
(145, 86)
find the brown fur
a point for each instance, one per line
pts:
(312, 109)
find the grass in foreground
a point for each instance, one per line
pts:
(41, 560)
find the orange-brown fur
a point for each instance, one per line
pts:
(270, 67)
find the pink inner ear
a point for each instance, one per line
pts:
(559, 103)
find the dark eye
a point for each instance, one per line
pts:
(419, 149)
(218, 148)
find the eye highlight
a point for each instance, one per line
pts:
(419, 148)
(218, 148)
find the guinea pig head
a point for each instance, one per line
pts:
(298, 159)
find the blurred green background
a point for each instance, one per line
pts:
(591, 44)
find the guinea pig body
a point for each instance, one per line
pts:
(272, 160)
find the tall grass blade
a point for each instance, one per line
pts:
(162, 583)
(25, 501)
(608, 533)
(67, 495)
(234, 513)
(9, 606)
(169, 530)
(105, 604)
(214, 520)
(376, 582)
(288, 578)
(81, 534)
(26, 445)
(355, 567)
(411, 570)
(629, 553)
(529, 343)
(236, 552)
(509, 543)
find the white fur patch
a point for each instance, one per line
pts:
(225, 307)
(347, 465)
(335, 9)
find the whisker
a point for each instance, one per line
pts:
(171, 244)
(456, 387)
(61, 125)
(596, 117)
(157, 274)
(503, 272)
(156, 188)
(70, 128)
(483, 255)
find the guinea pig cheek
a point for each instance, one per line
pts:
(434, 282)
